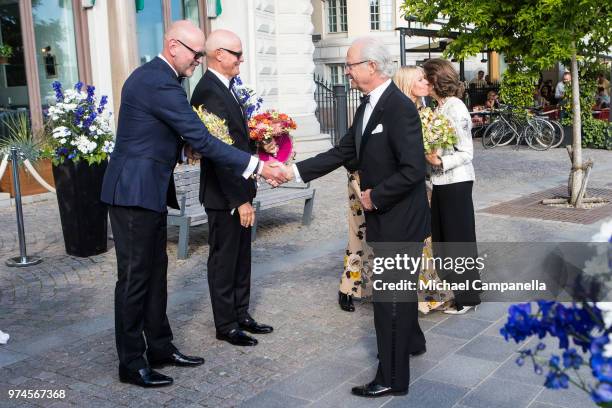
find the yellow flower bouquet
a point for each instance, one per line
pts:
(215, 125)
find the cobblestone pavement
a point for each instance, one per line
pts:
(59, 313)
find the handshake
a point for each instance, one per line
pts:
(276, 173)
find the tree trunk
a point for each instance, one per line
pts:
(576, 173)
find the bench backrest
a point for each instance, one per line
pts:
(187, 182)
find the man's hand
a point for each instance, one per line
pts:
(274, 173)
(247, 215)
(289, 171)
(191, 154)
(366, 200)
(433, 159)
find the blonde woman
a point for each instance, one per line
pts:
(412, 81)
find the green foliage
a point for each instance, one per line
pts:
(517, 87)
(595, 132)
(535, 33)
(20, 136)
(6, 50)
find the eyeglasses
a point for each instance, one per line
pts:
(348, 66)
(196, 54)
(237, 54)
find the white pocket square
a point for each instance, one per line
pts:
(378, 128)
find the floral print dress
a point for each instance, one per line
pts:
(356, 279)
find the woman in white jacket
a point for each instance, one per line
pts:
(452, 209)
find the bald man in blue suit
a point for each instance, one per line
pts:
(156, 121)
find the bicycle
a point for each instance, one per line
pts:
(537, 132)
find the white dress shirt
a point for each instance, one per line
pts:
(254, 163)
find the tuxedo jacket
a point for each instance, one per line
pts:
(220, 188)
(155, 120)
(391, 162)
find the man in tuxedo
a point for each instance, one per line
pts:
(385, 145)
(155, 122)
(227, 197)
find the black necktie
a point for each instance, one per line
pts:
(364, 99)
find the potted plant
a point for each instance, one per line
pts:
(21, 136)
(80, 142)
(6, 51)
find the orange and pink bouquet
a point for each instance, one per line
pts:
(271, 130)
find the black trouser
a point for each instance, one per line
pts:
(229, 268)
(396, 320)
(452, 221)
(141, 292)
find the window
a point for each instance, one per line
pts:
(337, 74)
(336, 16)
(381, 15)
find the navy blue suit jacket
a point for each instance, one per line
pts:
(155, 120)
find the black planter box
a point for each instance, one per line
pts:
(84, 217)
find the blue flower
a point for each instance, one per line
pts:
(598, 344)
(602, 368)
(602, 394)
(78, 115)
(78, 86)
(541, 346)
(556, 380)
(538, 369)
(571, 359)
(103, 101)
(554, 362)
(520, 361)
(57, 86)
(90, 94)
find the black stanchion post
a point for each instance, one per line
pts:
(23, 259)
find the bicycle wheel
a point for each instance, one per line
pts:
(539, 134)
(498, 133)
(559, 135)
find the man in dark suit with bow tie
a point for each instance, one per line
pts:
(155, 123)
(385, 144)
(227, 197)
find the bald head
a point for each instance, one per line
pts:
(184, 30)
(184, 47)
(224, 52)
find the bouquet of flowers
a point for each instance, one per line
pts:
(270, 130)
(438, 132)
(247, 97)
(588, 325)
(80, 129)
(215, 125)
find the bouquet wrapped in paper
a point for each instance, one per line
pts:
(215, 125)
(438, 132)
(271, 131)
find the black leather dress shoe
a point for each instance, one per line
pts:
(418, 353)
(237, 338)
(177, 359)
(252, 326)
(373, 390)
(346, 302)
(145, 377)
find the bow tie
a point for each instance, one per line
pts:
(365, 99)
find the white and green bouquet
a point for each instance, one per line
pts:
(438, 132)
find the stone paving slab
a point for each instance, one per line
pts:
(59, 313)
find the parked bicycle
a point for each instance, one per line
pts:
(521, 125)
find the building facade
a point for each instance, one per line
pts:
(101, 42)
(338, 22)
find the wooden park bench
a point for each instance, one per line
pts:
(191, 213)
